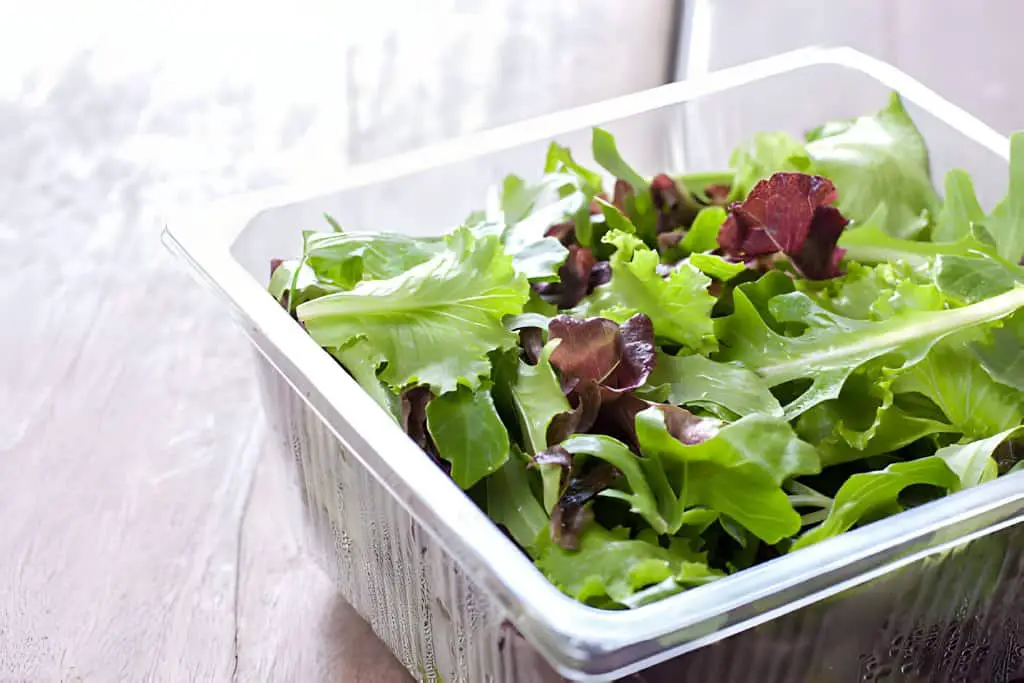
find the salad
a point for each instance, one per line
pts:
(650, 383)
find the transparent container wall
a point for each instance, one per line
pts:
(698, 135)
(952, 617)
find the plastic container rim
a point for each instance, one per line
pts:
(577, 640)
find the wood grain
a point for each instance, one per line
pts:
(148, 529)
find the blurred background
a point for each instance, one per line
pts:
(143, 534)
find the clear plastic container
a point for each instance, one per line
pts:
(935, 589)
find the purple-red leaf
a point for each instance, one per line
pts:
(718, 194)
(572, 511)
(788, 213)
(618, 420)
(587, 405)
(619, 359)
(574, 279)
(414, 422)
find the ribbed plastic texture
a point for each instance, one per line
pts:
(931, 596)
(436, 622)
(956, 617)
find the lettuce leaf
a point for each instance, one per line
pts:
(679, 306)
(973, 402)
(698, 381)
(346, 258)
(864, 496)
(832, 346)
(363, 362)
(436, 322)
(1006, 222)
(512, 503)
(738, 472)
(879, 159)
(611, 566)
(468, 433)
(871, 494)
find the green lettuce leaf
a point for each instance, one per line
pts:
(866, 496)
(869, 244)
(960, 210)
(968, 279)
(363, 362)
(879, 159)
(952, 379)
(436, 322)
(698, 381)
(606, 154)
(295, 283)
(511, 502)
(612, 567)
(1001, 354)
(873, 494)
(832, 346)
(1006, 222)
(715, 266)
(703, 234)
(864, 421)
(578, 185)
(538, 398)
(763, 155)
(345, 258)
(738, 472)
(468, 433)
(973, 462)
(679, 306)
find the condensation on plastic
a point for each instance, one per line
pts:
(930, 595)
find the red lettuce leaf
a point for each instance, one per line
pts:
(618, 358)
(787, 213)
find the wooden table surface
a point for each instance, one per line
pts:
(148, 530)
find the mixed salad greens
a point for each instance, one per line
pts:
(651, 383)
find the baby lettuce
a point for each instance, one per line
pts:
(652, 381)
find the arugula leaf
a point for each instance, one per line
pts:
(610, 565)
(696, 380)
(511, 502)
(869, 244)
(879, 159)
(679, 306)
(362, 362)
(960, 211)
(738, 472)
(1006, 222)
(518, 198)
(468, 433)
(870, 494)
(833, 346)
(435, 323)
(615, 219)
